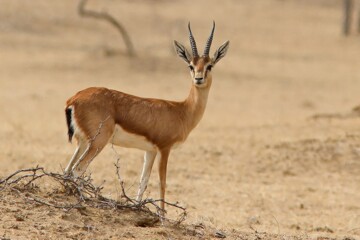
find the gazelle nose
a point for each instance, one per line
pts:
(198, 79)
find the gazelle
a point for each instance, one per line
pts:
(97, 116)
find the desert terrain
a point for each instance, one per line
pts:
(276, 155)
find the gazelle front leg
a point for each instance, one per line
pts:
(162, 175)
(149, 158)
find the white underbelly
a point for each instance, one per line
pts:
(125, 139)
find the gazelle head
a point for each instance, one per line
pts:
(201, 66)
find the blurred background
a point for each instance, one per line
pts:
(279, 144)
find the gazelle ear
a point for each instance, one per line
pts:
(221, 52)
(182, 52)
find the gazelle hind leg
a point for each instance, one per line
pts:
(83, 162)
(93, 148)
(149, 158)
(80, 149)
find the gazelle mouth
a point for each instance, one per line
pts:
(199, 82)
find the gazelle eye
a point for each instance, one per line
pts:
(191, 68)
(209, 67)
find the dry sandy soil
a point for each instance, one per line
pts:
(259, 165)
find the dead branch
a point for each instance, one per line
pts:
(37, 200)
(354, 113)
(121, 183)
(86, 194)
(19, 171)
(110, 19)
(149, 201)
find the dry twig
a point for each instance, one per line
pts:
(87, 195)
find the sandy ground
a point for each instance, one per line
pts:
(258, 163)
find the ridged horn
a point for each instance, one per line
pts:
(209, 41)
(193, 43)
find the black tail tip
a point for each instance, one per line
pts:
(68, 115)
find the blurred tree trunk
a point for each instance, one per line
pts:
(358, 22)
(347, 16)
(111, 20)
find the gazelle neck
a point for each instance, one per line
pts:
(195, 103)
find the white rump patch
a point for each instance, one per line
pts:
(77, 131)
